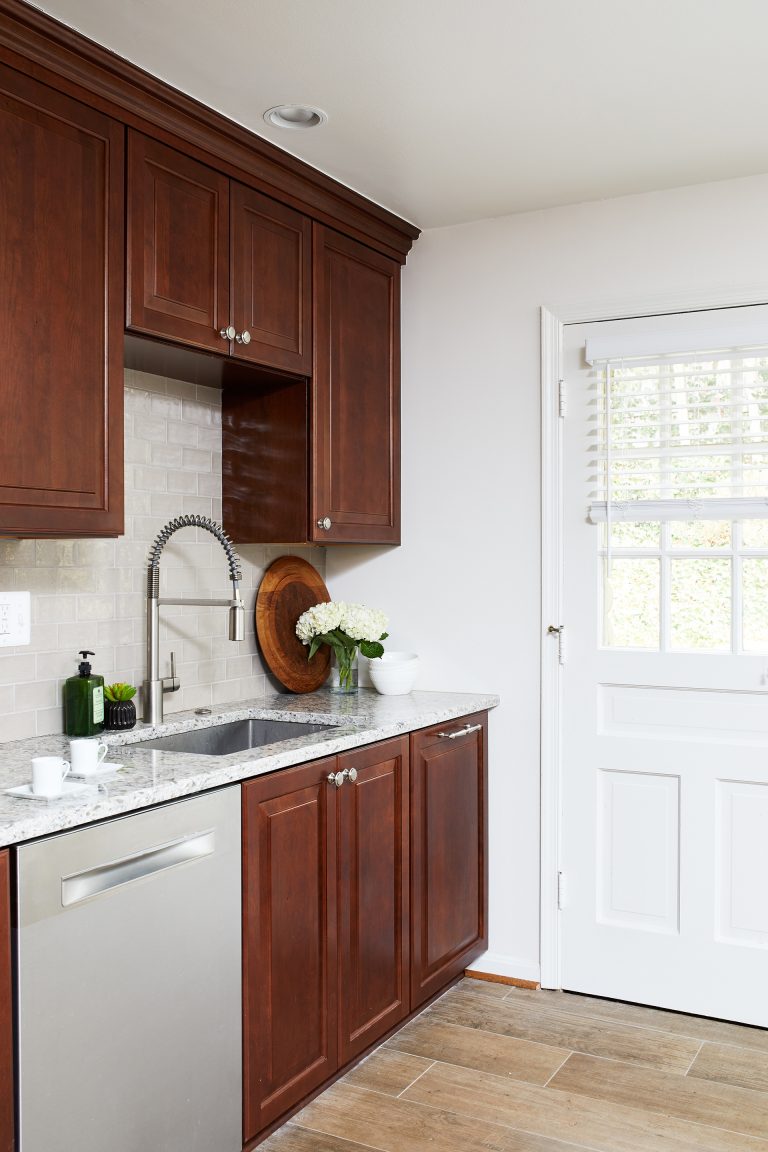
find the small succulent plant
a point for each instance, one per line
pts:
(116, 692)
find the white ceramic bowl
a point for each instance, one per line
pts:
(394, 673)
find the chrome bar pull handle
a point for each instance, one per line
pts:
(465, 731)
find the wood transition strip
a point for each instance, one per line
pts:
(492, 978)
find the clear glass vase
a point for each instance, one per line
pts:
(343, 675)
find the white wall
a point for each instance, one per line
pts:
(464, 588)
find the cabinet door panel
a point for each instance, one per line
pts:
(356, 417)
(448, 859)
(288, 939)
(271, 281)
(61, 438)
(373, 895)
(6, 1012)
(178, 246)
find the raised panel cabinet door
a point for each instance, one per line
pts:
(289, 939)
(271, 262)
(448, 852)
(356, 393)
(177, 246)
(6, 1011)
(61, 329)
(374, 991)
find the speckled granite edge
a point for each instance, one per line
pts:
(151, 776)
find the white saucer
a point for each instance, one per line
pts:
(104, 770)
(67, 789)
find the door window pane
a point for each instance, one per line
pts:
(754, 576)
(631, 604)
(631, 534)
(700, 534)
(700, 605)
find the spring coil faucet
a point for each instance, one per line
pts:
(154, 686)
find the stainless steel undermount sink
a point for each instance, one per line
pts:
(234, 736)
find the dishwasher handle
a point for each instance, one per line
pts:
(94, 881)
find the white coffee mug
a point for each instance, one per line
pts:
(48, 774)
(86, 755)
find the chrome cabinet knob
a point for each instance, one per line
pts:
(338, 778)
(325, 523)
(243, 337)
(228, 333)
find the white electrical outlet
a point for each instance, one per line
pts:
(15, 614)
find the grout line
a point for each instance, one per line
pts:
(560, 1065)
(422, 1073)
(698, 1052)
(527, 1005)
(567, 1143)
(304, 1127)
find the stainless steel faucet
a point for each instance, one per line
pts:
(154, 686)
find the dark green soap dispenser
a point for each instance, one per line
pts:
(84, 701)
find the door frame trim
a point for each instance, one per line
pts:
(554, 320)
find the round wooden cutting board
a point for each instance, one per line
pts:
(289, 587)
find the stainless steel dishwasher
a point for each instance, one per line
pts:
(129, 976)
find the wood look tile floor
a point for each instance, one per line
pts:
(488, 1068)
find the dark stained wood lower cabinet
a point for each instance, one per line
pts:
(364, 894)
(289, 939)
(373, 895)
(6, 1012)
(448, 858)
(325, 922)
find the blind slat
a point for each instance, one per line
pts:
(690, 429)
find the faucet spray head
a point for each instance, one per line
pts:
(236, 619)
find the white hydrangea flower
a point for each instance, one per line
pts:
(318, 620)
(361, 623)
(355, 620)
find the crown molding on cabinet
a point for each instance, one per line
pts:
(39, 45)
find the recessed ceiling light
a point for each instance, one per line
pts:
(295, 116)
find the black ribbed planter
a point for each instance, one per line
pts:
(119, 715)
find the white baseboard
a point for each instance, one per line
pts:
(495, 964)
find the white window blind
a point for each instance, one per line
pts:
(681, 435)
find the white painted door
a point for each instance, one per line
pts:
(664, 833)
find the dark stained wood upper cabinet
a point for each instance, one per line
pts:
(271, 282)
(61, 328)
(356, 394)
(448, 859)
(206, 253)
(177, 245)
(6, 1012)
(319, 460)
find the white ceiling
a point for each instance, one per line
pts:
(446, 111)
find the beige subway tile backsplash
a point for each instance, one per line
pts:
(91, 593)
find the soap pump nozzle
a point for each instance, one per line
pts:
(84, 667)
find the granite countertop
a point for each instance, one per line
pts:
(151, 776)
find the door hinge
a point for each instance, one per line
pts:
(558, 631)
(561, 401)
(561, 891)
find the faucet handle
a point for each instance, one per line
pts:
(171, 683)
